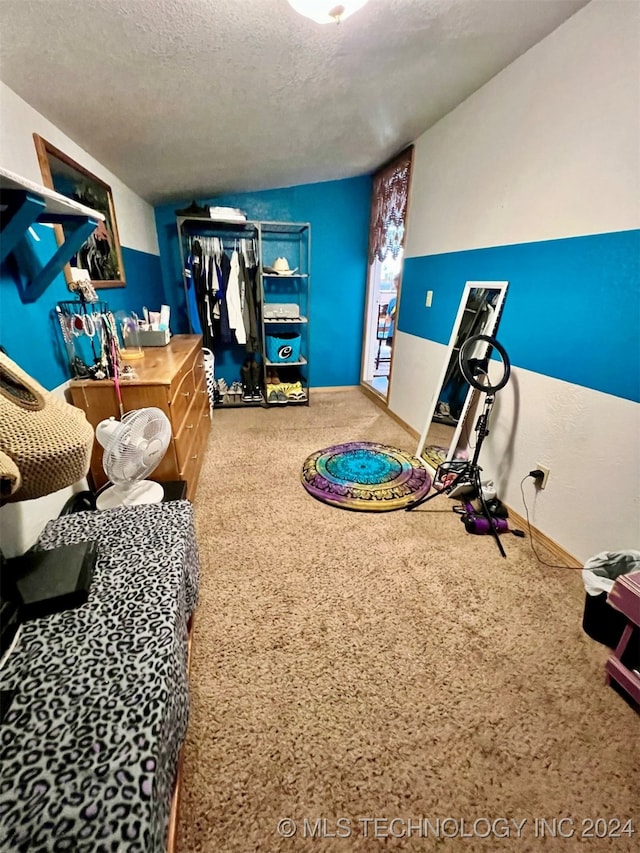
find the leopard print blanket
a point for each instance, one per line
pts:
(89, 748)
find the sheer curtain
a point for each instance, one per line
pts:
(389, 200)
(389, 207)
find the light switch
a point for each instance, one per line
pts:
(429, 299)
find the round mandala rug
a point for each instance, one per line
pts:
(364, 475)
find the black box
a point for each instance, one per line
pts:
(601, 621)
(46, 582)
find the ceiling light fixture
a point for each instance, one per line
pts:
(327, 11)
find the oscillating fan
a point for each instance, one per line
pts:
(133, 448)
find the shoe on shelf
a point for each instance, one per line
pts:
(297, 397)
(281, 397)
(272, 376)
(247, 394)
(256, 394)
(272, 399)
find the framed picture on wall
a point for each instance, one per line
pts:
(100, 255)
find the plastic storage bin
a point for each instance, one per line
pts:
(283, 348)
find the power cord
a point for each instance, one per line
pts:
(537, 474)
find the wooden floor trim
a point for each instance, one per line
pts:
(172, 835)
(325, 389)
(381, 403)
(557, 551)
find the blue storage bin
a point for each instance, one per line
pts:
(283, 348)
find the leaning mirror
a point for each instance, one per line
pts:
(478, 314)
(100, 256)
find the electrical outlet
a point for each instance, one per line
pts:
(542, 483)
(428, 299)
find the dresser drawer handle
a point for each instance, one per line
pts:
(186, 394)
(188, 426)
(195, 457)
(204, 392)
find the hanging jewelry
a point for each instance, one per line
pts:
(88, 325)
(102, 367)
(64, 327)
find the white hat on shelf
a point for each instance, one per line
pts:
(281, 267)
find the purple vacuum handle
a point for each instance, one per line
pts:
(479, 524)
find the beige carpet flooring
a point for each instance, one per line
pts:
(362, 665)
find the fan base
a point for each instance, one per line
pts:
(144, 492)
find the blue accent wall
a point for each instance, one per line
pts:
(30, 332)
(572, 309)
(338, 212)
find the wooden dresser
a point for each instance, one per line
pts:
(171, 378)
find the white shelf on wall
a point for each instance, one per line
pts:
(24, 203)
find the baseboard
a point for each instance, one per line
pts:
(557, 551)
(325, 389)
(381, 403)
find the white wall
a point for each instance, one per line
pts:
(589, 441)
(417, 357)
(549, 148)
(19, 121)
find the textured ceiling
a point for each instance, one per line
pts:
(188, 98)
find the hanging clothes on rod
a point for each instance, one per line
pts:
(222, 290)
(203, 289)
(251, 302)
(235, 298)
(221, 276)
(223, 269)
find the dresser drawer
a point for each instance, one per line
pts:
(194, 359)
(187, 436)
(199, 376)
(181, 402)
(189, 471)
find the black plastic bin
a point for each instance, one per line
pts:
(600, 620)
